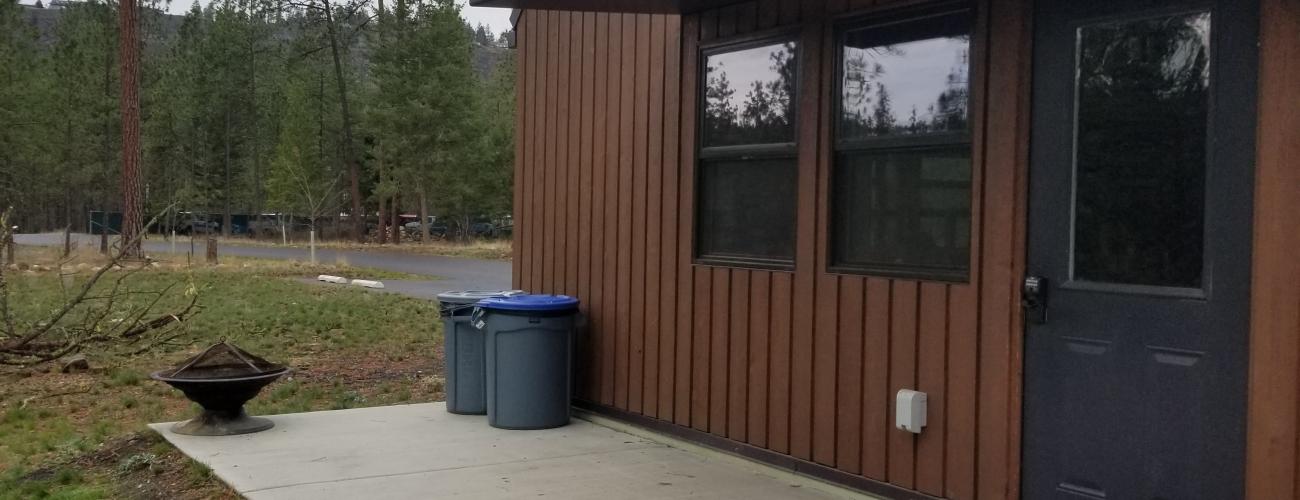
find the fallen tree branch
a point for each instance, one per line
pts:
(104, 319)
(29, 399)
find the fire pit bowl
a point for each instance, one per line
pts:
(221, 379)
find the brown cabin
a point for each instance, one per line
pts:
(1072, 225)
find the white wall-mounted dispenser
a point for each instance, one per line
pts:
(909, 411)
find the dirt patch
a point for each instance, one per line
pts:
(373, 374)
(141, 466)
(147, 468)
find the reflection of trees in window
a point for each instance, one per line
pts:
(952, 108)
(745, 178)
(866, 107)
(719, 113)
(901, 181)
(1142, 116)
(765, 115)
(860, 71)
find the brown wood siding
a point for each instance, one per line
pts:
(1274, 400)
(803, 363)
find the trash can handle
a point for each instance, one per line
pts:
(476, 318)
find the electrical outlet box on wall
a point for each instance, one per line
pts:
(909, 411)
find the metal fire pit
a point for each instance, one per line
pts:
(221, 379)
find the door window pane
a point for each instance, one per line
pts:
(906, 78)
(1143, 100)
(903, 210)
(747, 210)
(749, 95)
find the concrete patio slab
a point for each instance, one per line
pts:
(421, 451)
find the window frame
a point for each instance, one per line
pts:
(932, 141)
(1200, 292)
(744, 152)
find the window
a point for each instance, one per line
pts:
(1142, 95)
(901, 185)
(746, 178)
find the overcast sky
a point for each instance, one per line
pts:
(498, 19)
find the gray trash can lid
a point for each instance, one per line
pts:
(474, 296)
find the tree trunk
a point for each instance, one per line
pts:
(424, 217)
(10, 247)
(383, 201)
(354, 164)
(225, 190)
(103, 231)
(258, 195)
(129, 47)
(379, 147)
(212, 251)
(397, 220)
(107, 142)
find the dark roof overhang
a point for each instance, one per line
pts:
(637, 6)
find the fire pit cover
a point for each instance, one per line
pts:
(221, 361)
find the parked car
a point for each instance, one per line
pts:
(198, 226)
(268, 226)
(437, 228)
(482, 229)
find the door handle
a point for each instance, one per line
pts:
(1033, 298)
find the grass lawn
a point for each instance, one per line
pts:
(476, 249)
(83, 435)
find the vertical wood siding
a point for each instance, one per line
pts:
(1274, 401)
(803, 363)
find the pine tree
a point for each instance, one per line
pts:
(21, 79)
(82, 111)
(423, 101)
(883, 119)
(301, 180)
(132, 185)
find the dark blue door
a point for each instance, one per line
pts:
(1139, 233)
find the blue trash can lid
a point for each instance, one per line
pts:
(473, 296)
(530, 303)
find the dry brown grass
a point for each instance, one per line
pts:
(475, 249)
(39, 259)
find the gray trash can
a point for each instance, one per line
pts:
(529, 346)
(463, 351)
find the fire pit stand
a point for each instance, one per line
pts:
(221, 379)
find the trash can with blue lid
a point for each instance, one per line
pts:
(529, 358)
(465, 364)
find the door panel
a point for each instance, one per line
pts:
(1139, 221)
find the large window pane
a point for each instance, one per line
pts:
(906, 78)
(903, 211)
(749, 96)
(1143, 98)
(746, 210)
(901, 185)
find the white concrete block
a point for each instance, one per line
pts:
(332, 279)
(368, 283)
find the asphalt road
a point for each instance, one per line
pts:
(452, 273)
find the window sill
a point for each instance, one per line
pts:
(953, 276)
(739, 263)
